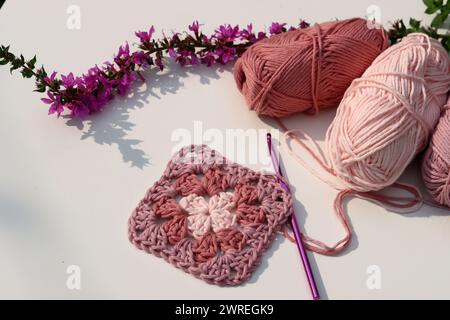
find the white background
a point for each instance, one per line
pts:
(67, 188)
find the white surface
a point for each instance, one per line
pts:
(66, 191)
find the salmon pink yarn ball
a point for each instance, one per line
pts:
(307, 69)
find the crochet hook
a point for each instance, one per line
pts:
(297, 234)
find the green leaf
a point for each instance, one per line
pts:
(402, 26)
(27, 73)
(429, 3)
(32, 63)
(41, 90)
(3, 62)
(432, 6)
(13, 68)
(445, 12)
(439, 20)
(41, 73)
(415, 24)
(431, 10)
(446, 42)
(15, 64)
(5, 49)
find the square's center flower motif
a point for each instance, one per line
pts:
(217, 213)
(209, 216)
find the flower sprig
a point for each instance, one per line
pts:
(90, 92)
(440, 12)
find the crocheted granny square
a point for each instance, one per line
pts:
(210, 217)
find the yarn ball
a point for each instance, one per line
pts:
(436, 162)
(307, 69)
(387, 116)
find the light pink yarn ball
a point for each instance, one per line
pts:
(387, 116)
(436, 162)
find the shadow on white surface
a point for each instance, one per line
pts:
(30, 247)
(295, 260)
(112, 125)
(302, 215)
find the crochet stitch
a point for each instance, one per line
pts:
(210, 217)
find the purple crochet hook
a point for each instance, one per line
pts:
(294, 224)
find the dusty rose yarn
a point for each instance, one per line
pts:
(436, 162)
(210, 217)
(307, 69)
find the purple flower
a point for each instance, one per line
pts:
(50, 99)
(104, 96)
(51, 78)
(125, 83)
(55, 104)
(145, 36)
(93, 90)
(183, 56)
(124, 52)
(193, 59)
(206, 40)
(95, 103)
(227, 33)
(276, 28)
(225, 54)
(247, 33)
(181, 59)
(172, 53)
(261, 35)
(139, 58)
(122, 59)
(187, 57)
(194, 27)
(70, 81)
(92, 78)
(159, 64)
(207, 59)
(78, 108)
(56, 108)
(249, 29)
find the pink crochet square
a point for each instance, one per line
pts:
(210, 217)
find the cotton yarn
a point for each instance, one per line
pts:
(384, 120)
(436, 162)
(307, 69)
(387, 116)
(210, 217)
